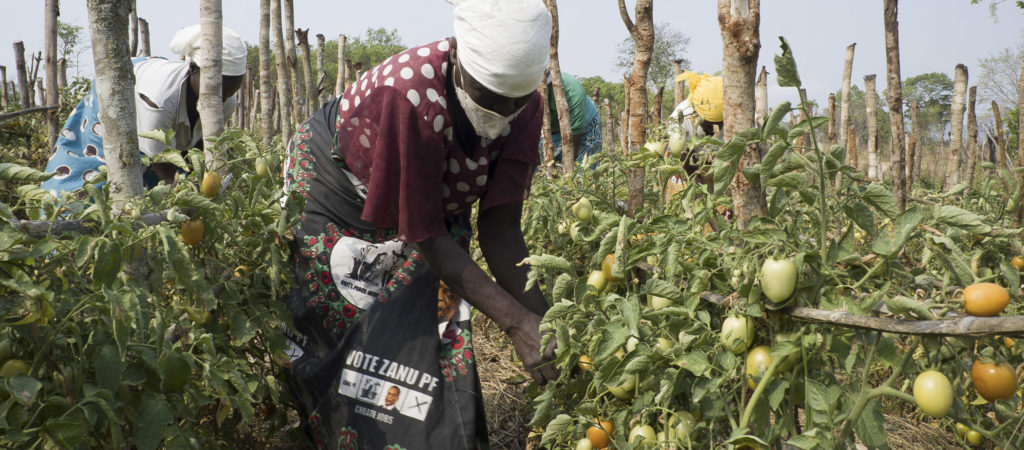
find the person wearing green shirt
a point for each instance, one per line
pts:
(584, 118)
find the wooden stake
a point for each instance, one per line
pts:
(144, 38)
(23, 81)
(284, 82)
(52, 85)
(339, 85)
(844, 105)
(972, 135)
(307, 70)
(956, 126)
(266, 91)
(321, 72)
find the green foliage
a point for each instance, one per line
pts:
(180, 354)
(933, 93)
(69, 38)
(1011, 120)
(669, 45)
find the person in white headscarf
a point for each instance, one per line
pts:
(390, 172)
(166, 96)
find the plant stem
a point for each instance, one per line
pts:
(871, 272)
(823, 226)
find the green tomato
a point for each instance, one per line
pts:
(655, 147)
(933, 393)
(663, 344)
(625, 390)
(262, 170)
(682, 425)
(778, 279)
(597, 280)
(974, 438)
(961, 430)
(643, 435)
(737, 333)
(584, 444)
(657, 302)
(676, 144)
(631, 343)
(758, 360)
(583, 210)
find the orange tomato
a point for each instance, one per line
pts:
(985, 299)
(606, 267)
(192, 231)
(211, 184)
(994, 381)
(585, 363)
(600, 434)
(1017, 262)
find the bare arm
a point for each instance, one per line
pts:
(501, 241)
(455, 267)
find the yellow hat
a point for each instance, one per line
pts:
(705, 94)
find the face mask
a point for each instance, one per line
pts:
(486, 123)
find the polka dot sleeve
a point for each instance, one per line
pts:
(513, 172)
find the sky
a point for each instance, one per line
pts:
(935, 35)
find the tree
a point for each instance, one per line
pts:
(894, 95)
(933, 93)
(375, 47)
(997, 76)
(211, 103)
(669, 46)
(641, 31)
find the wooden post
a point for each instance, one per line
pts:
(41, 89)
(972, 135)
(607, 131)
(656, 108)
(298, 83)
(307, 70)
(114, 89)
(62, 74)
(23, 81)
(321, 72)
(558, 90)
(761, 96)
(266, 91)
(913, 170)
(624, 120)
(133, 20)
(1000, 141)
(894, 95)
(211, 103)
(956, 125)
(844, 105)
(740, 24)
(339, 85)
(852, 146)
(3, 87)
(642, 32)
(284, 82)
(144, 49)
(52, 89)
(831, 118)
(677, 69)
(547, 144)
(871, 107)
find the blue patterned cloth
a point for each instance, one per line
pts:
(78, 153)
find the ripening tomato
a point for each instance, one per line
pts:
(985, 299)
(663, 344)
(657, 302)
(600, 434)
(778, 279)
(758, 360)
(211, 184)
(933, 393)
(606, 267)
(676, 144)
(262, 170)
(584, 444)
(737, 333)
(192, 231)
(597, 280)
(994, 381)
(585, 363)
(1017, 262)
(643, 435)
(14, 367)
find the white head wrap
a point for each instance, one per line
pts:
(503, 44)
(186, 43)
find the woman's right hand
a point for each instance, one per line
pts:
(526, 338)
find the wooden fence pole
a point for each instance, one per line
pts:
(761, 96)
(266, 91)
(677, 68)
(19, 63)
(321, 72)
(1000, 141)
(307, 71)
(3, 87)
(62, 74)
(52, 89)
(339, 85)
(956, 126)
(844, 103)
(871, 108)
(144, 38)
(972, 135)
(133, 20)
(284, 81)
(298, 83)
(211, 100)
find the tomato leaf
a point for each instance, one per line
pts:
(778, 392)
(242, 329)
(870, 426)
(563, 282)
(960, 218)
(22, 174)
(630, 309)
(791, 180)
(785, 67)
(771, 158)
(67, 433)
(152, 420)
(663, 288)
(880, 198)
(108, 367)
(696, 362)
(24, 388)
(771, 125)
(1010, 275)
(109, 258)
(861, 215)
(953, 258)
(810, 440)
(893, 236)
(817, 396)
(613, 337)
(554, 429)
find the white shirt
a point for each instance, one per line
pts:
(163, 83)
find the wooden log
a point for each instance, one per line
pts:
(144, 37)
(39, 229)
(22, 112)
(19, 63)
(339, 85)
(133, 21)
(968, 326)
